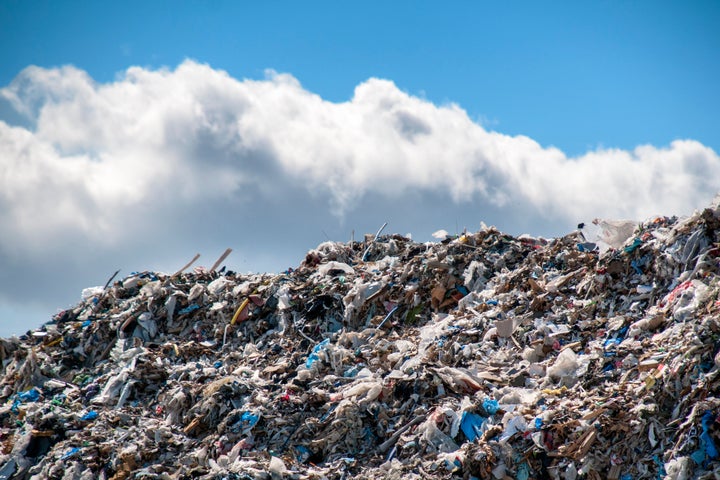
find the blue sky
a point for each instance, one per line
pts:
(576, 75)
(135, 134)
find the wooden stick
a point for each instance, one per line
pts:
(187, 265)
(111, 279)
(220, 260)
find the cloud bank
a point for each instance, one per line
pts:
(151, 165)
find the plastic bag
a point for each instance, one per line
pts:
(565, 365)
(615, 232)
(435, 437)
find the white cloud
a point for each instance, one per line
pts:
(145, 163)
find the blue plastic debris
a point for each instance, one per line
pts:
(491, 406)
(8, 470)
(351, 372)
(453, 466)
(32, 395)
(250, 418)
(636, 266)
(698, 456)
(70, 453)
(538, 423)
(625, 476)
(303, 453)
(660, 466)
(89, 416)
(586, 246)
(471, 425)
(328, 413)
(523, 472)
(630, 248)
(708, 449)
(315, 354)
(188, 309)
(705, 439)
(217, 364)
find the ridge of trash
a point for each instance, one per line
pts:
(482, 356)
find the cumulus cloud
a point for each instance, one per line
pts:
(156, 161)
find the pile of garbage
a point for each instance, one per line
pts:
(481, 356)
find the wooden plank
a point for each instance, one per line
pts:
(187, 265)
(221, 259)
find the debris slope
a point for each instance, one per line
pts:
(480, 356)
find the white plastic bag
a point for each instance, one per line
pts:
(565, 365)
(615, 232)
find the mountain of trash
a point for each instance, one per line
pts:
(482, 356)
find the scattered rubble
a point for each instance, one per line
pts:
(481, 356)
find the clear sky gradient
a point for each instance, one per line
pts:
(135, 134)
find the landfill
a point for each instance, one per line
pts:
(479, 356)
